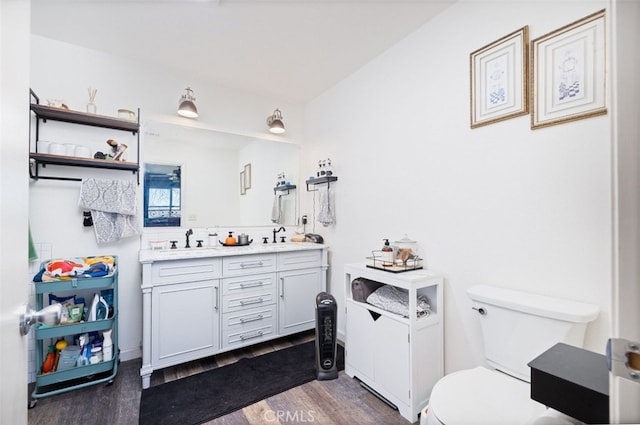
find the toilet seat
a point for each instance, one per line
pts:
(482, 396)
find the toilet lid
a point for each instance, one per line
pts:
(483, 396)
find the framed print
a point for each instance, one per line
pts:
(499, 79)
(568, 72)
(247, 176)
(243, 189)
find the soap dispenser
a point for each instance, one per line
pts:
(230, 240)
(387, 253)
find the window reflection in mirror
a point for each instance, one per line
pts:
(162, 195)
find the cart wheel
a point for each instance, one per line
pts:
(109, 383)
(32, 403)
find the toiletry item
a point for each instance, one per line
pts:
(387, 253)
(213, 239)
(83, 152)
(107, 345)
(96, 355)
(230, 240)
(82, 342)
(56, 149)
(243, 239)
(69, 149)
(406, 244)
(48, 364)
(42, 146)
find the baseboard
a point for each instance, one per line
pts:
(130, 353)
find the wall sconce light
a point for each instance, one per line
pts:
(275, 122)
(186, 106)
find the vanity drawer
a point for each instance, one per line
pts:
(247, 326)
(303, 259)
(181, 271)
(248, 284)
(238, 339)
(248, 264)
(240, 302)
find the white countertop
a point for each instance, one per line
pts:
(151, 255)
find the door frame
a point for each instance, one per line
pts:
(625, 291)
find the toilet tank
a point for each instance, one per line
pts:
(518, 326)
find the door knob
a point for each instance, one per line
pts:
(50, 316)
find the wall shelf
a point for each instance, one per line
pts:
(320, 180)
(284, 188)
(76, 117)
(40, 159)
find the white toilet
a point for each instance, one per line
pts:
(516, 328)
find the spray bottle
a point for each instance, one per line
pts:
(107, 345)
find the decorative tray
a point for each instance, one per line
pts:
(236, 244)
(396, 267)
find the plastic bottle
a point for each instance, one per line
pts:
(107, 345)
(387, 253)
(96, 355)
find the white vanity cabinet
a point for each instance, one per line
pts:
(300, 279)
(198, 303)
(400, 358)
(181, 312)
(248, 299)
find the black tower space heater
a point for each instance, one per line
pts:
(326, 337)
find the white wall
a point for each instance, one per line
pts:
(500, 205)
(61, 70)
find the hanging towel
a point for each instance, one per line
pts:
(33, 254)
(276, 209)
(113, 208)
(327, 215)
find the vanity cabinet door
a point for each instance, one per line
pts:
(297, 290)
(185, 322)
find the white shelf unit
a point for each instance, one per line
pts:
(399, 358)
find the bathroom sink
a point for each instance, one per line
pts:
(285, 246)
(187, 252)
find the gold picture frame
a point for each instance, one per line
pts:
(243, 189)
(568, 70)
(499, 79)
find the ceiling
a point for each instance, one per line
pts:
(290, 49)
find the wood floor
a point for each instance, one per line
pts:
(334, 402)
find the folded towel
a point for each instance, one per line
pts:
(75, 267)
(396, 300)
(276, 209)
(113, 207)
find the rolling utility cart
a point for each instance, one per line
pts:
(73, 377)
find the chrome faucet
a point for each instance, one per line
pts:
(276, 231)
(189, 233)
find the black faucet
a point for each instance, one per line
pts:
(189, 233)
(276, 231)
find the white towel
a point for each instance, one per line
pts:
(113, 208)
(326, 216)
(276, 209)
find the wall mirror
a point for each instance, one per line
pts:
(225, 179)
